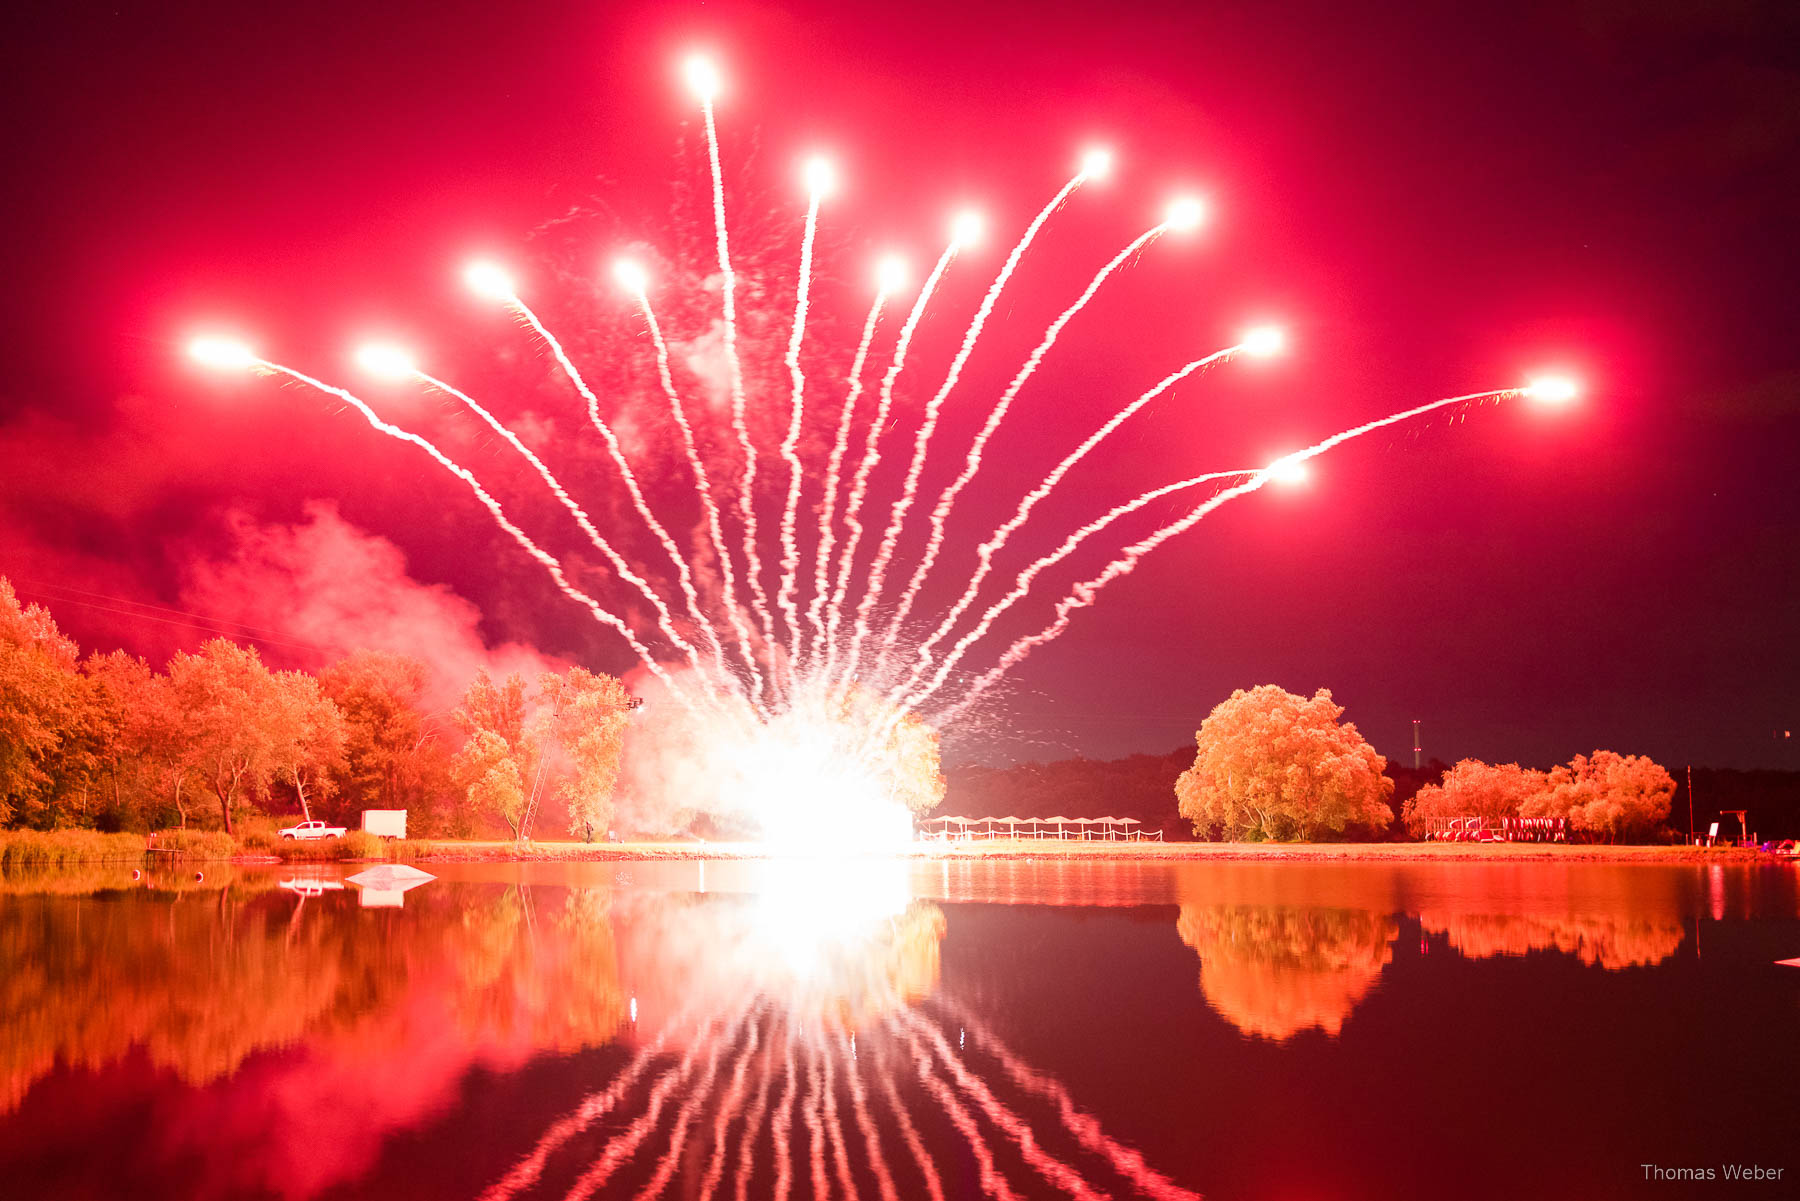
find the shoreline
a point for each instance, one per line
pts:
(1427, 852)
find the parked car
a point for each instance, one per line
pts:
(313, 830)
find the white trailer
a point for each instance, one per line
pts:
(384, 823)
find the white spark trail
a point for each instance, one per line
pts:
(1083, 1126)
(1005, 1119)
(1022, 586)
(865, 1122)
(626, 474)
(790, 550)
(909, 491)
(871, 453)
(759, 597)
(703, 485)
(940, 515)
(987, 550)
(728, 1111)
(827, 530)
(1085, 593)
(550, 562)
(666, 619)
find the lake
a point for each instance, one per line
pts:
(886, 1029)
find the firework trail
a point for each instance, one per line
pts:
(752, 1124)
(992, 1182)
(666, 620)
(703, 485)
(729, 1109)
(1022, 585)
(987, 550)
(790, 550)
(815, 1124)
(550, 562)
(1015, 1128)
(782, 1124)
(865, 1122)
(827, 528)
(834, 1127)
(940, 515)
(683, 575)
(684, 1118)
(872, 455)
(1083, 594)
(909, 491)
(528, 1170)
(1083, 1126)
(759, 598)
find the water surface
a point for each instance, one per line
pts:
(893, 1029)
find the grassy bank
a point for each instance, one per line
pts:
(1438, 852)
(54, 848)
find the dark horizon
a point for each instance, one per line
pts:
(1432, 202)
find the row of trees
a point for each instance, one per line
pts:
(106, 741)
(1270, 765)
(1604, 795)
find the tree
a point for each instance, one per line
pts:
(1606, 793)
(230, 733)
(486, 770)
(53, 726)
(502, 752)
(394, 754)
(589, 713)
(1273, 765)
(308, 736)
(1473, 789)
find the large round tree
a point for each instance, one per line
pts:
(1274, 766)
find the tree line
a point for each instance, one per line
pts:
(107, 742)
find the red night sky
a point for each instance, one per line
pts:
(1431, 200)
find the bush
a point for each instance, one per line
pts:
(44, 848)
(196, 844)
(360, 844)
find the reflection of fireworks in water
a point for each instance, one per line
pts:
(818, 686)
(810, 1053)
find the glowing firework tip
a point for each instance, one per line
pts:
(1553, 390)
(1263, 341)
(222, 353)
(631, 276)
(1290, 469)
(965, 230)
(1097, 163)
(387, 362)
(489, 280)
(820, 176)
(890, 274)
(1184, 214)
(702, 78)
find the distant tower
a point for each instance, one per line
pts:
(1416, 747)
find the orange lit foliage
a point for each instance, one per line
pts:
(1271, 765)
(1610, 941)
(1473, 789)
(220, 973)
(1607, 794)
(1273, 971)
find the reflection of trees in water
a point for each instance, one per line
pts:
(202, 978)
(1273, 971)
(812, 1060)
(1610, 941)
(791, 1051)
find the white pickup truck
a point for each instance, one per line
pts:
(313, 830)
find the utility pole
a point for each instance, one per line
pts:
(1416, 747)
(1690, 804)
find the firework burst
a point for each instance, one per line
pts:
(818, 693)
